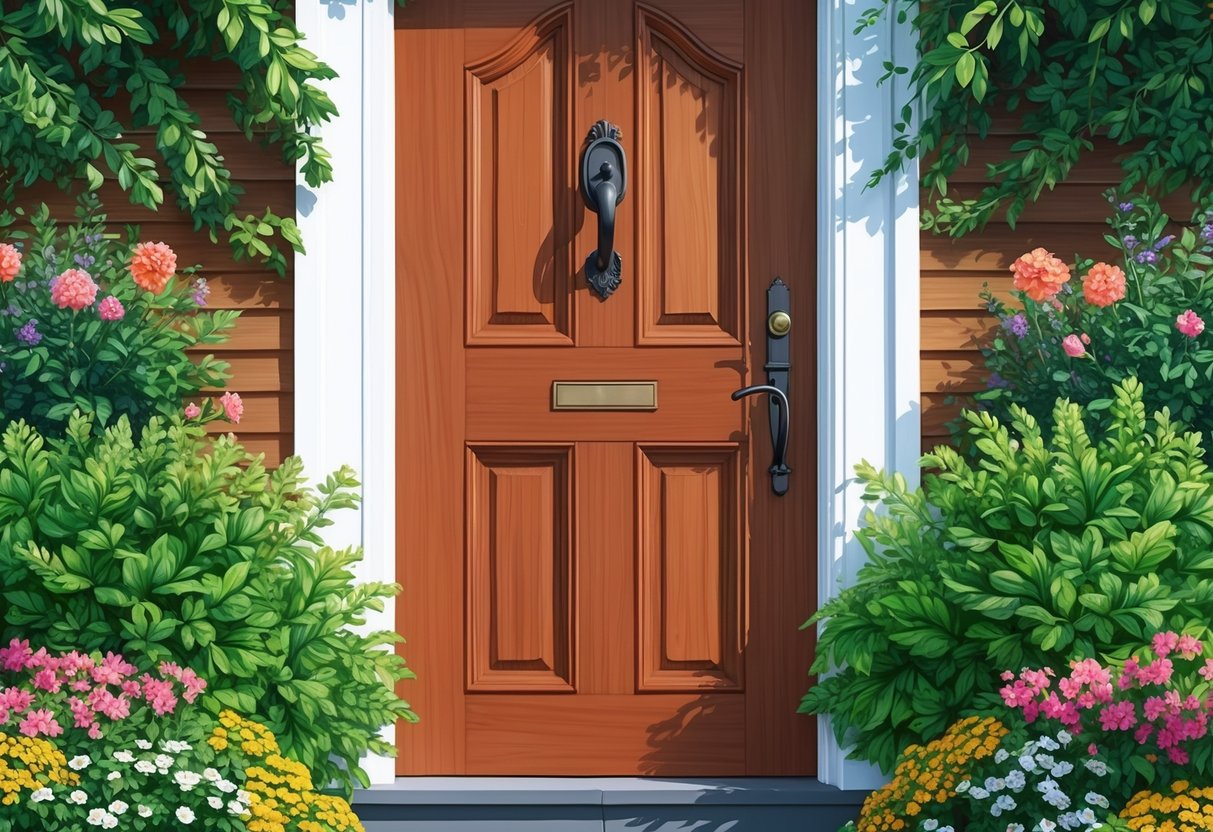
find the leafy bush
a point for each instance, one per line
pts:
(1142, 317)
(185, 549)
(111, 347)
(1067, 71)
(1035, 551)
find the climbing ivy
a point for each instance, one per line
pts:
(1136, 72)
(65, 63)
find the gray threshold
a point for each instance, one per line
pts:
(605, 804)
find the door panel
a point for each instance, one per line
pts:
(587, 591)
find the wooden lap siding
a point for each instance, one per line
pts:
(1068, 221)
(260, 350)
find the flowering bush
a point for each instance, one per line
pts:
(1179, 808)
(185, 549)
(1032, 552)
(91, 322)
(160, 763)
(1077, 328)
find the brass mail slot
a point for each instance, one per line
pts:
(604, 395)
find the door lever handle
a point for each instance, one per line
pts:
(779, 465)
(604, 180)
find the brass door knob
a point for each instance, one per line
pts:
(779, 324)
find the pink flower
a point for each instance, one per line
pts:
(152, 264)
(10, 262)
(1164, 643)
(1154, 708)
(1189, 323)
(110, 309)
(1177, 756)
(1092, 749)
(1007, 675)
(74, 289)
(1189, 646)
(38, 722)
(1142, 734)
(232, 406)
(1118, 717)
(1086, 339)
(16, 699)
(47, 680)
(1207, 670)
(1073, 346)
(1157, 672)
(16, 656)
(192, 411)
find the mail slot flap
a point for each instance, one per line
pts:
(604, 395)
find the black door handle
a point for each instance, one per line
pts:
(779, 465)
(604, 180)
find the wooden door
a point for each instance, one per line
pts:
(585, 591)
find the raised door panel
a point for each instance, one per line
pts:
(689, 552)
(520, 189)
(520, 570)
(689, 216)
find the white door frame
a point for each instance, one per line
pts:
(868, 295)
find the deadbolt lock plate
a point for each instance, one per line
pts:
(779, 324)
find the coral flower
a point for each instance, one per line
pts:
(74, 289)
(1103, 285)
(1189, 323)
(1040, 274)
(192, 411)
(110, 309)
(152, 264)
(1073, 346)
(10, 262)
(232, 406)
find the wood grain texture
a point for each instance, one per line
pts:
(520, 511)
(689, 551)
(689, 219)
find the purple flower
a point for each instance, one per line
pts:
(12, 311)
(1164, 242)
(201, 291)
(29, 334)
(1147, 256)
(1126, 206)
(84, 261)
(1017, 325)
(1130, 242)
(1206, 233)
(995, 380)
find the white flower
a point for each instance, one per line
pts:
(1062, 769)
(211, 774)
(962, 786)
(946, 829)
(109, 821)
(1097, 767)
(1045, 760)
(1014, 827)
(215, 802)
(227, 787)
(118, 807)
(1016, 780)
(144, 744)
(124, 756)
(1047, 785)
(1064, 737)
(1069, 821)
(1027, 763)
(930, 824)
(1087, 816)
(113, 775)
(1006, 802)
(95, 816)
(144, 811)
(185, 814)
(237, 808)
(39, 795)
(245, 797)
(1001, 755)
(995, 810)
(1058, 799)
(187, 779)
(978, 793)
(1047, 825)
(1048, 744)
(78, 797)
(991, 784)
(145, 767)
(175, 746)
(77, 763)
(1095, 799)
(164, 762)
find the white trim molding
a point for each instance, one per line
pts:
(868, 302)
(345, 291)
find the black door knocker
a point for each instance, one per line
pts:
(604, 181)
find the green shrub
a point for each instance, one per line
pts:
(1034, 552)
(184, 548)
(1141, 316)
(110, 357)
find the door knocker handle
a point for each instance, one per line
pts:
(604, 181)
(779, 327)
